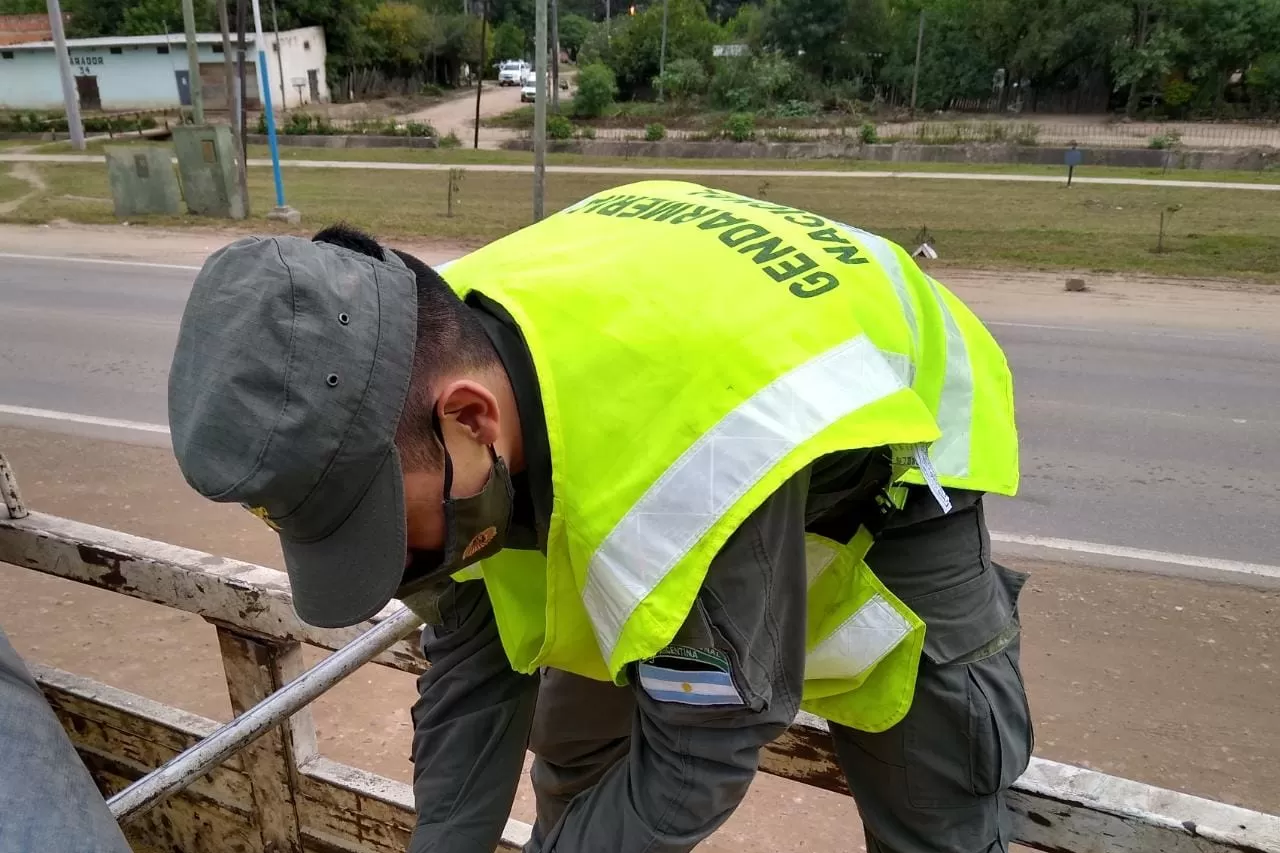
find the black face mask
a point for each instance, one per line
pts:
(475, 527)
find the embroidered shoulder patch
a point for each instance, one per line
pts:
(689, 676)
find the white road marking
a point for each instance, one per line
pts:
(1068, 545)
(1125, 553)
(390, 165)
(103, 261)
(75, 418)
(1098, 330)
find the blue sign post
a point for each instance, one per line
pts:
(282, 211)
(1074, 158)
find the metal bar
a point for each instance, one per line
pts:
(539, 108)
(9, 489)
(261, 718)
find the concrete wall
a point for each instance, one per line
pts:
(301, 50)
(138, 77)
(1251, 159)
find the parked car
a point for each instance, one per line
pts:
(529, 91)
(512, 72)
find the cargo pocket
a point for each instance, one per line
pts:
(968, 735)
(1002, 723)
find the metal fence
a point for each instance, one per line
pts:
(1185, 135)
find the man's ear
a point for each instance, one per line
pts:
(474, 408)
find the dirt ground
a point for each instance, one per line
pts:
(1165, 680)
(458, 115)
(1113, 299)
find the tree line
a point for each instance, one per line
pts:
(1174, 58)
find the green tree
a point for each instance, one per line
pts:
(90, 18)
(22, 7)
(347, 42)
(402, 33)
(746, 26)
(830, 38)
(1263, 82)
(634, 49)
(573, 32)
(509, 41)
(156, 17)
(596, 91)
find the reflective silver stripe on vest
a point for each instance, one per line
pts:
(859, 643)
(882, 250)
(863, 639)
(950, 453)
(718, 469)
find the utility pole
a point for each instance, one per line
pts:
(242, 18)
(233, 103)
(915, 76)
(275, 25)
(193, 62)
(555, 56)
(662, 54)
(69, 97)
(539, 107)
(484, 17)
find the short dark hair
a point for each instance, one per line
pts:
(449, 338)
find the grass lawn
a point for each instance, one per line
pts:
(1011, 225)
(467, 156)
(11, 187)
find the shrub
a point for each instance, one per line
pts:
(559, 127)
(587, 132)
(299, 124)
(683, 79)
(868, 133)
(1165, 140)
(795, 109)
(450, 141)
(597, 88)
(740, 127)
(419, 129)
(655, 132)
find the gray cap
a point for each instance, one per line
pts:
(288, 380)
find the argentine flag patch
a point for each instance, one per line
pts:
(689, 677)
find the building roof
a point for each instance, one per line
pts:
(140, 41)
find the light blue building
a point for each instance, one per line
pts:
(150, 72)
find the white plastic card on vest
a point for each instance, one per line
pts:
(931, 477)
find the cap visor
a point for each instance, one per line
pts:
(352, 573)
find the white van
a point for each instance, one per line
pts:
(512, 72)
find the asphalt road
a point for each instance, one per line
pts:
(1139, 437)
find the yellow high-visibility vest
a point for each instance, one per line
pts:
(694, 350)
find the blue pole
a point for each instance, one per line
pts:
(264, 82)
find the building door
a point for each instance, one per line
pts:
(87, 89)
(184, 87)
(313, 77)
